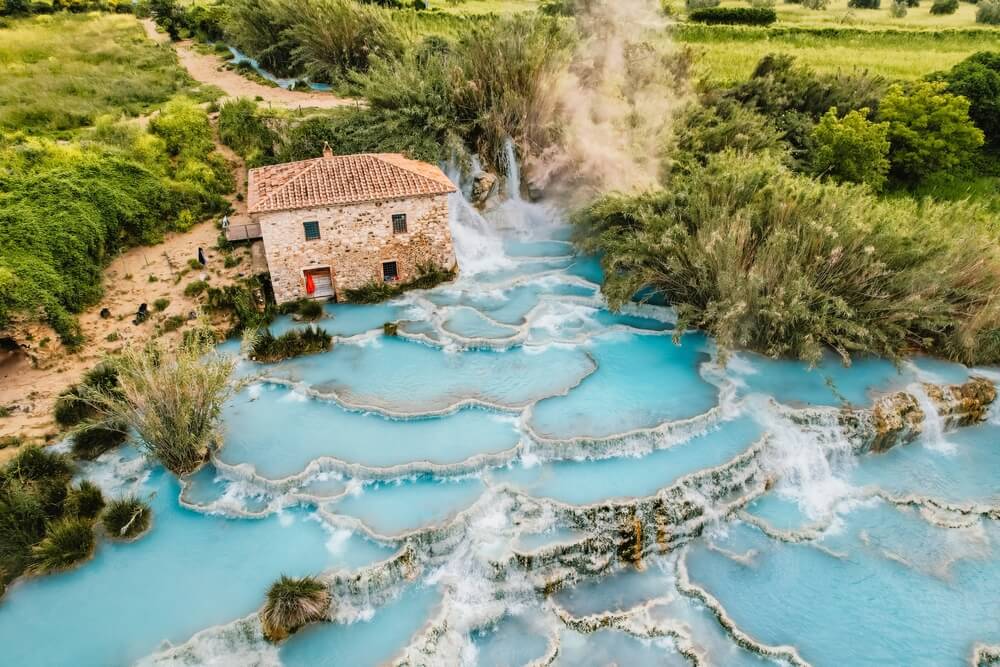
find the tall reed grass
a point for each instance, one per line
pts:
(764, 259)
(172, 402)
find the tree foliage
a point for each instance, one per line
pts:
(977, 78)
(851, 149)
(930, 130)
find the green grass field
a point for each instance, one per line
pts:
(59, 72)
(841, 38)
(729, 53)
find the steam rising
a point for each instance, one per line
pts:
(615, 100)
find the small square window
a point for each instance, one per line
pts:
(398, 223)
(311, 229)
(389, 272)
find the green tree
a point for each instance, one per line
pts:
(851, 149)
(977, 78)
(929, 130)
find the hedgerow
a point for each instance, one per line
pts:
(734, 15)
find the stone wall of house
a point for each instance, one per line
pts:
(354, 242)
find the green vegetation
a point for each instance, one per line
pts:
(376, 291)
(170, 401)
(126, 518)
(244, 302)
(63, 72)
(84, 501)
(734, 15)
(90, 442)
(293, 602)
(833, 47)
(161, 304)
(66, 209)
(988, 12)
(851, 149)
(765, 259)
(930, 131)
(67, 541)
(944, 6)
(977, 78)
(306, 310)
(33, 492)
(484, 82)
(266, 348)
(195, 287)
(71, 408)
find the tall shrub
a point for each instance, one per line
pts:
(171, 401)
(765, 259)
(929, 130)
(977, 78)
(988, 12)
(851, 149)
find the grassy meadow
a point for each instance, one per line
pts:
(727, 54)
(60, 72)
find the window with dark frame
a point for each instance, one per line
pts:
(311, 229)
(398, 223)
(389, 272)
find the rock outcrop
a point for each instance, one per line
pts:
(899, 418)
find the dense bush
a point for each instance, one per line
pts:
(795, 96)
(493, 83)
(324, 39)
(267, 348)
(377, 291)
(816, 4)
(171, 402)
(988, 12)
(734, 15)
(291, 603)
(765, 259)
(702, 130)
(89, 443)
(71, 408)
(977, 78)
(33, 490)
(930, 130)
(126, 518)
(84, 501)
(67, 541)
(864, 4)
(243, 128)
(898, 9)
(701, 4)
(944, 7)
(851, 149)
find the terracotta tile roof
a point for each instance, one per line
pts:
(334, 180)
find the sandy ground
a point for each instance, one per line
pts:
(209, 69)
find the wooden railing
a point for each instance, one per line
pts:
(243, 232)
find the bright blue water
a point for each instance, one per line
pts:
(240, 57)
(427, 439)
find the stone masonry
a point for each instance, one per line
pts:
(354, 241)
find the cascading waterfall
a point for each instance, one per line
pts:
(522, 477)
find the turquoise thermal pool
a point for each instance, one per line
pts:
(522, 477)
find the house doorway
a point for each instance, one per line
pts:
(321, 281)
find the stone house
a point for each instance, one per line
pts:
(339, 222)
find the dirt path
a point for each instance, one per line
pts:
(209, 69)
